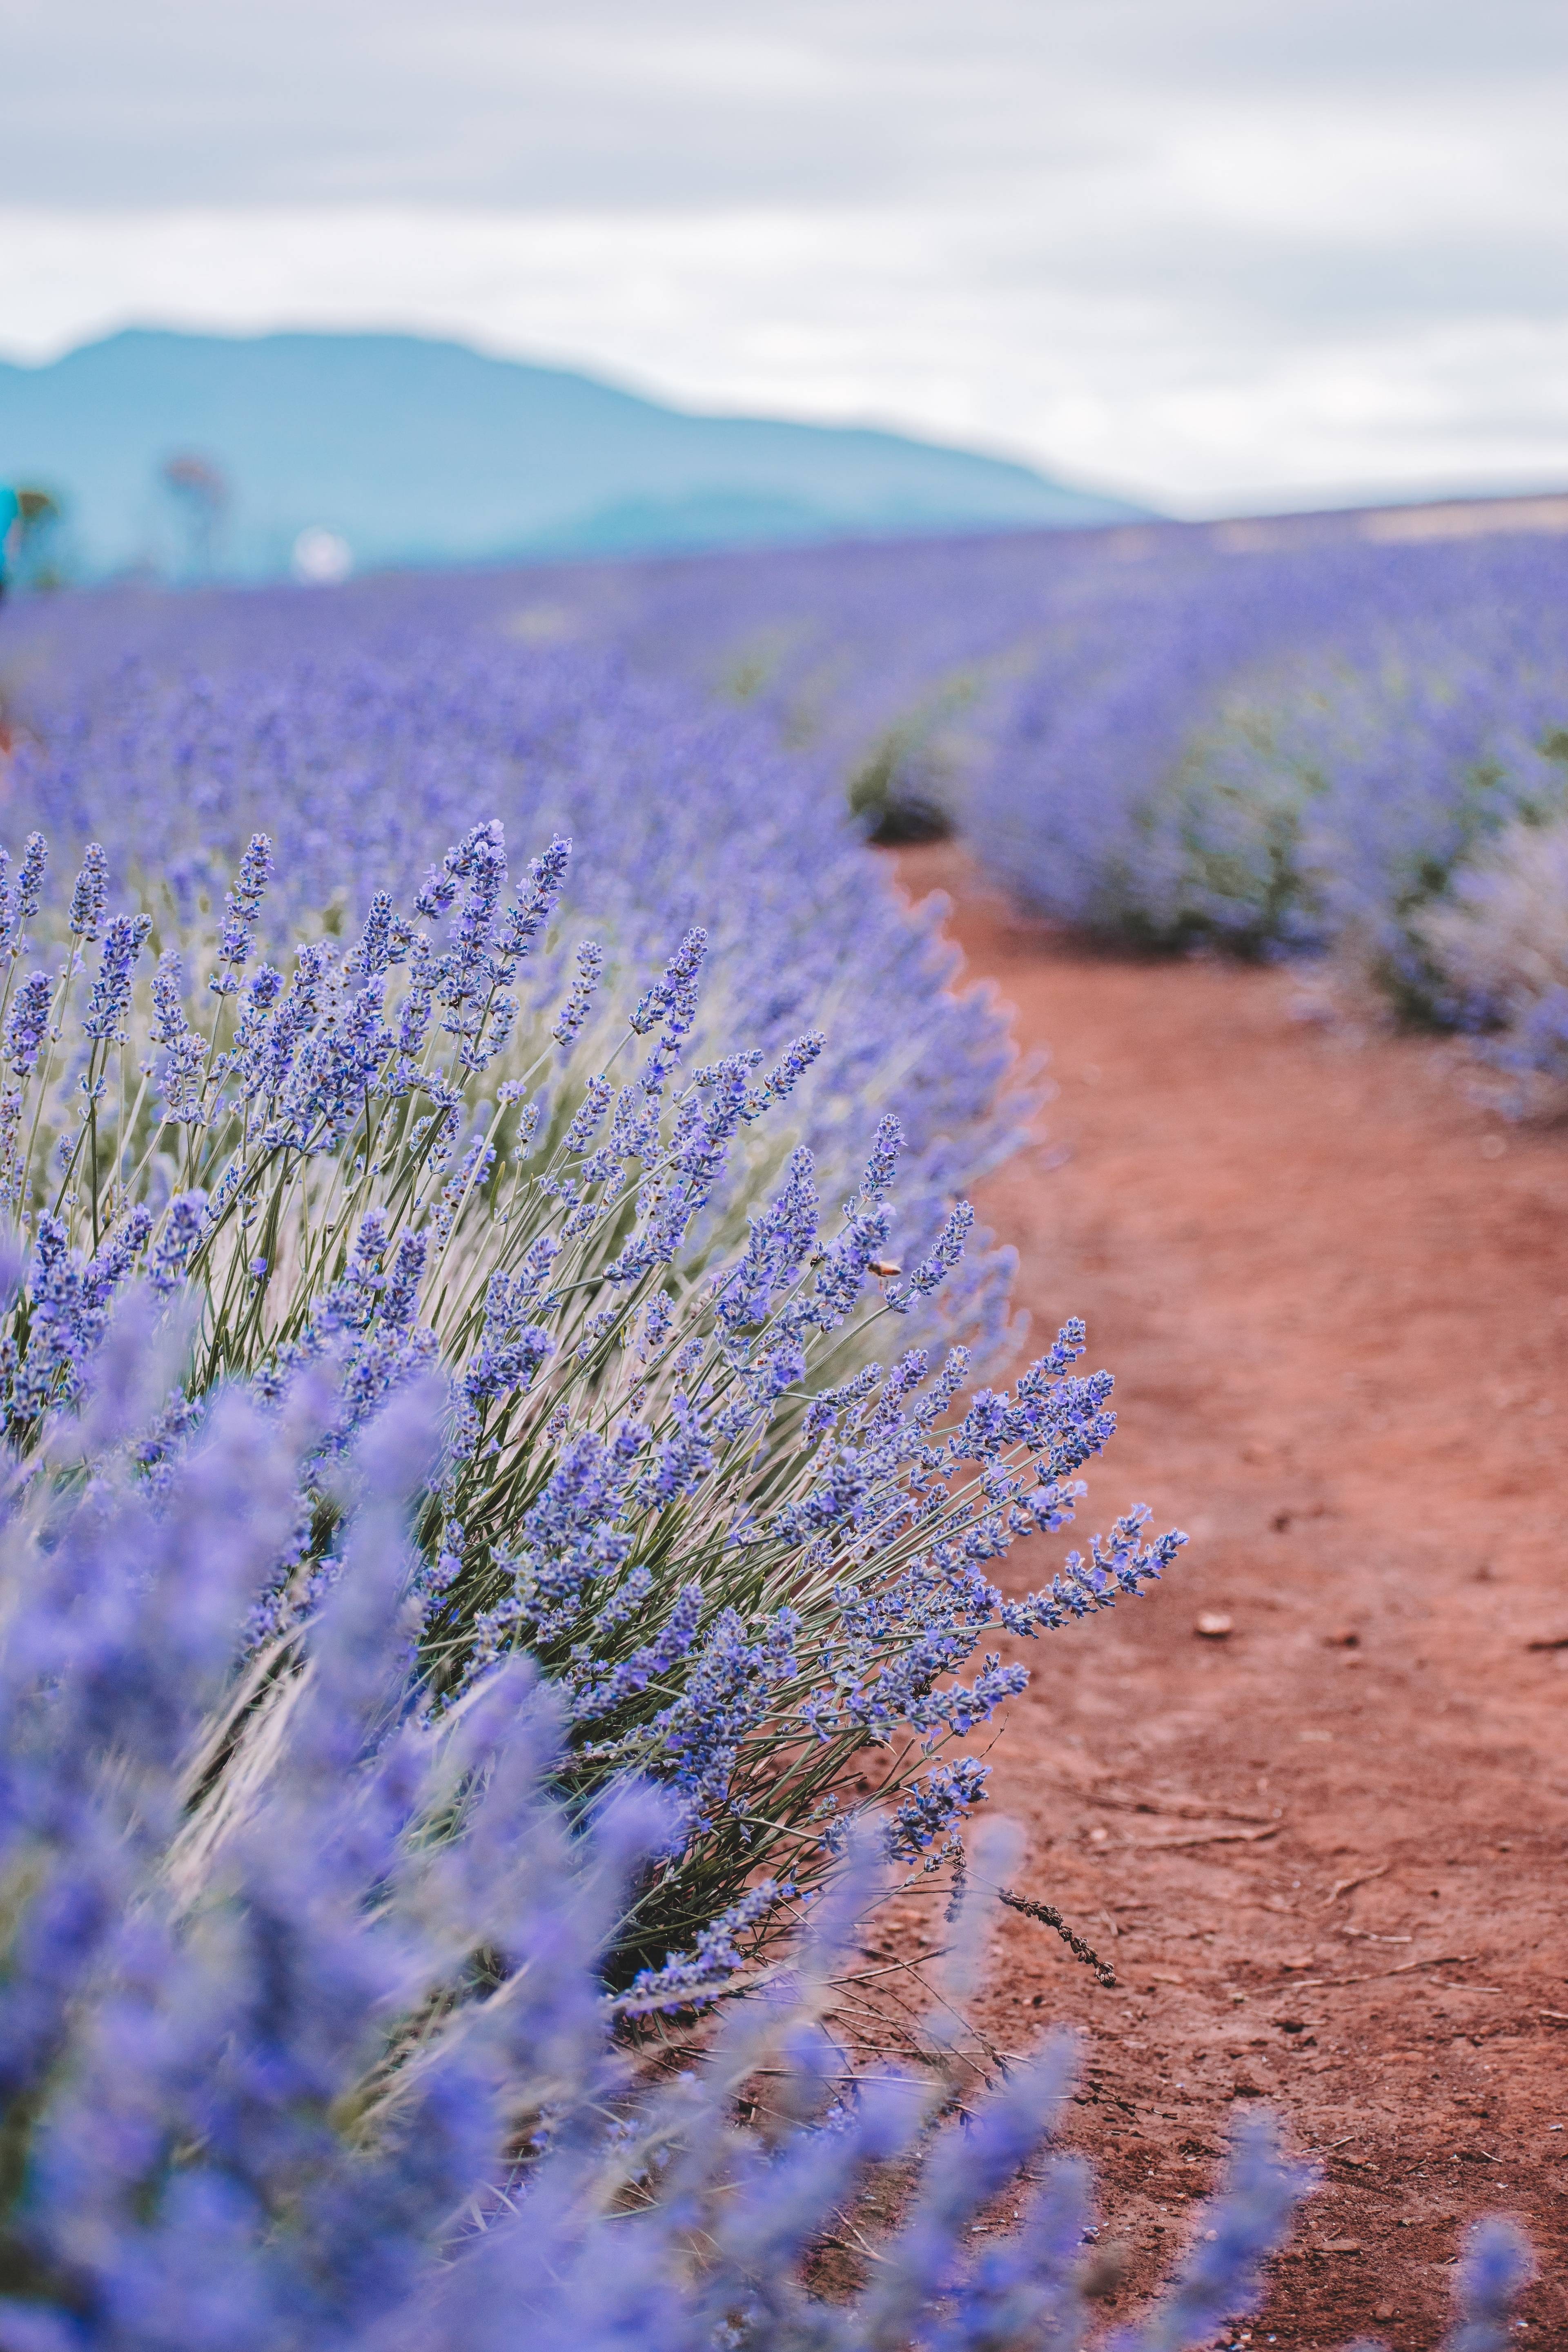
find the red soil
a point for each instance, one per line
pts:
(1324, 1853)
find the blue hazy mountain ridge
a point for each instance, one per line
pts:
(419, 451)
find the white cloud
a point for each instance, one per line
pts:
(1211, 251)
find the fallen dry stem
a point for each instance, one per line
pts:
(1212, 1837)
(1365, 1879)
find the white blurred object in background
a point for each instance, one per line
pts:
(322, 558)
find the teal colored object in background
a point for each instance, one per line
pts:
(10, 515)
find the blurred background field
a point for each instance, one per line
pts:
(1327, 736)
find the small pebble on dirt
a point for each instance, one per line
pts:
(1212, 1625)
(1344, 1637)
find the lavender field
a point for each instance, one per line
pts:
(1297, 741)
(512, 1425)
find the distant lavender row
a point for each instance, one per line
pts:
(1280, 745)
(1159, 735)
(1062, 685)
(361, 732)
(1162, 735)
(1171, 736)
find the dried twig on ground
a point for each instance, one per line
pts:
(1378, 1976)
(1365, 1879)
(1213, 1837)
(1050, 1917)
(1187, 1809)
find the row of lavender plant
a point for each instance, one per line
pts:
(1174, 737)
(358, 731)
(1168, 735)
(252, 1895)
(743, 1552)
(335, 2067)
(1165, 736)
(1177, 737)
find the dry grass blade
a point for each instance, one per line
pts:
(1216, 1837)
(1344, 1886)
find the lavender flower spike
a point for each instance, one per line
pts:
(27, 1024)
(574, 1012)
(243, 911)
(90, 892)
(182, 1229)
(1222, 2278)
(1498, 2267)
(122, 943)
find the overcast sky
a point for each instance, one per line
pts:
(1224, 253)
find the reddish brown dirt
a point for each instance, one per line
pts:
(1326, 1852)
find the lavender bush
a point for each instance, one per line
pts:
(1495, 948)
(1262, 748)
(359, 732)
(745, 1554)
(312, 2050)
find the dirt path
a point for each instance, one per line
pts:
(1325, 1852)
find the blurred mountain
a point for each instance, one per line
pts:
(404, 450)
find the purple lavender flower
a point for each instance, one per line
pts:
(673, 992)
(597, 1690)
(1222, 2277)
(90, 891)
(546, 880)
(589, 1118)
(373, 953)
(932, 1271)
(504, 1364)
(882, 1166)
(965, 2172)
(785, 1075)
(182, 1072)
(465, 979)
(694, 1743)
(689, 1979)
(66, 1303)
(28, 1024)
(782, 1239)
(935, 1805)
(122, 943)
(1027, 2286)
(184, 1221)
(400, 1299)
(1498, 2267)
(26, 892)
(574, 1012)
(242, 912)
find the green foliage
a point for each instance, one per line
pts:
(902, 788)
